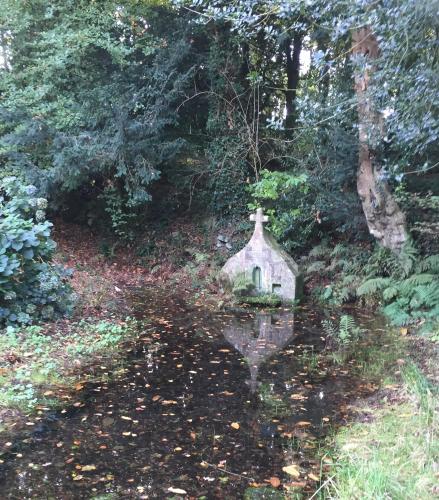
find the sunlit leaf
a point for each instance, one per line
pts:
(292, 470)
(177, 491)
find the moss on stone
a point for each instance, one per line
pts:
(268, 300)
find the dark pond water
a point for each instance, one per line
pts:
(208, 403)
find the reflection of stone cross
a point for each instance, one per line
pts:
(259, 218)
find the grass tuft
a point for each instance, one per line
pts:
(394, 454)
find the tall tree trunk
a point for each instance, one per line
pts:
(292, 69)
(4, 51)
(385, 220)
(324, 78)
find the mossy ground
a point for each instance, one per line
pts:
(40, 366)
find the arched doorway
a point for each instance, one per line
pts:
(257, 278)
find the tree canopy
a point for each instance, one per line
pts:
(135, 106)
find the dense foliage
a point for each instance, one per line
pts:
(122, 112)
(407, 286)
(31, 286)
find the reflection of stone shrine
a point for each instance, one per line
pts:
(273, 332)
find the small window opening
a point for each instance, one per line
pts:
(276, 288)
(257, 278)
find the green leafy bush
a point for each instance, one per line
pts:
(283, 196)
(31, 286)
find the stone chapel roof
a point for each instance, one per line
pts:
(261, 237)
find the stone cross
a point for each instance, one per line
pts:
(259, 218)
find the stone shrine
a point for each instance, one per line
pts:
(265, 263)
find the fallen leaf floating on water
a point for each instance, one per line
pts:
(298, 397)
(296, 484)
(86, 468)
(235, 425)
(292, 470)
(227, 393)
(303, 423)
(274, 481)
(177, 491)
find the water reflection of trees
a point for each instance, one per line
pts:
(259, 339)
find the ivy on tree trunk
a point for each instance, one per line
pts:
(385, 220)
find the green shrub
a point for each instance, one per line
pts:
(31, 286)
(284, 198)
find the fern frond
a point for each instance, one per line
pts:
(319, 250)
(373, 285)
(349, 279)
(408, 284)
(398, 315)
(428, 295)
(338, 250)
(390, 293)
(430, 263)
(341, 263)
(329, 328)
(347, 323)
(344, 294)
(316, 267)
(407, 258)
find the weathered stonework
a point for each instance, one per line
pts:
(264, 262)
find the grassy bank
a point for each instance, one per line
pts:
(391, 450)
(41, 366)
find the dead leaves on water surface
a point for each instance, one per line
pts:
(166, 399)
